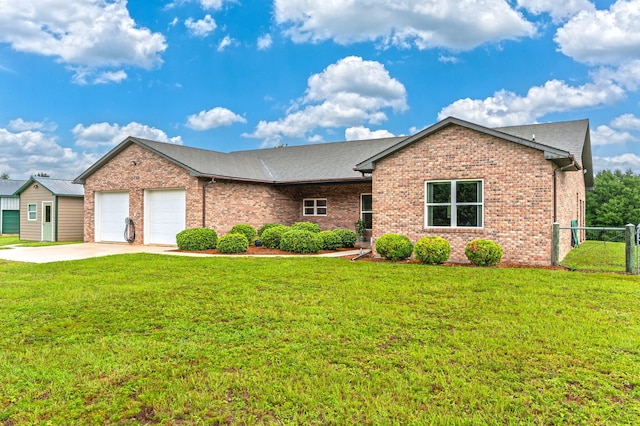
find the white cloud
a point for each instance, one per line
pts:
(348, 93)
(226, 42)
(618, 132)
(174, 22)
(85, 76)
(212, 4)
(627, 74)
(622, 162)
(80, 33)
(425, 24)
(202, 27)
(626, 121)
(264, 42)
(603, 36)
(362, 133)
(99, 135)
(506, 108)
(213, 118)
(558, 10)
(19, 125)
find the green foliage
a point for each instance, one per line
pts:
(197, 239)
(306, 226)
(246, 230)
(483, 252)
(361, 227)
(233, 243)
(394, 247)
(330, 240)
(265, 227)
(432, 250)
(301, 241)
(347, 237)
(271, 236)
(615, 200)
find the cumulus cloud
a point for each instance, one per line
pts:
(599, 37)
(362, 133)
(80, 33)
(85, 76)
(620, 131)
(264, 42)
(225, 42)
(627, 74)
(558, 10)
(403, 23)
(348, 93)
(100, 135)
(622, 162)
(213, 118)
(202, 27)
(506, 108)
(20, 125)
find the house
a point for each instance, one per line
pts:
(455, 179)
(51, 210)
(9, 206)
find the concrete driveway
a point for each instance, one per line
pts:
(75, 251)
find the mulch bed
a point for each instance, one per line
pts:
(256, 251)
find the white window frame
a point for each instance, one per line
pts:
(362, 211)
(315, 207)
(35, 212)
(453, 204)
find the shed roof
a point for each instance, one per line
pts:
(58, 187)
(8, 187)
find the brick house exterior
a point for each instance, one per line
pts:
(522, 182)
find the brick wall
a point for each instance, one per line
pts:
(569, 205)
(518, 192)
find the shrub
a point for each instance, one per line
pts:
(265, 227)
(432, 250)
(330, 240)
(483, 252)
(301, 241)
(271, 237)
(306, 226)
(233, 243)
(394, 246)
(347, 237)
(197, 239)
(246, 230)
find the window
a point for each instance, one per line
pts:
(32, 212)
(314, 207)
(366, 210)
(454, 204)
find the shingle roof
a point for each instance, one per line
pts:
(57, 187)
(8, 187)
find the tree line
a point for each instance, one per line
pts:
(615, 200)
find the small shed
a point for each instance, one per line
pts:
(9, 206)
(51, 210)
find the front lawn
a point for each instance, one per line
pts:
(14, 240)
(144, 339)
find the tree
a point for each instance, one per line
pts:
(42, 174)
(615, 200)
(4, 176)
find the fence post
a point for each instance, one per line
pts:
(629, 244)
(555, 245)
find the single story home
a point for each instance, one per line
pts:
(9, 206)
(51, 210)
(454, 179)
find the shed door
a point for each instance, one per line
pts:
(111, 210)
(165, 212)
(10, 222)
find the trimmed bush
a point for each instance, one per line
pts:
(271, 237)
(265, 227)
(330, 240)
(394, 247)
(306, 226)
(246, 230)
(301, 241)
(483, 252)
(347, 237)
(432, 250)
(197, 239)
(233, 243)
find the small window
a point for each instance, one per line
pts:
(454, 204)
(366, 210)
(314, 207)
(32, 212)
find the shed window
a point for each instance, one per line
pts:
(454, 204)
(314, 207)
(32, 212)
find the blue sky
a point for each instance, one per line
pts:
(79, 76)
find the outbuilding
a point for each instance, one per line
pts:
(9, 206)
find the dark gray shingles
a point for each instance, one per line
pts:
(567, 135)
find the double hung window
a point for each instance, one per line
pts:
(454, 204)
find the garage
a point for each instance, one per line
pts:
(10, 222)
(111, 210)
(165, 212)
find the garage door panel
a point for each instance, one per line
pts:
(112, 209)
(165, 215)
(10, 222)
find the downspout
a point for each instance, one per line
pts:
(555, 184)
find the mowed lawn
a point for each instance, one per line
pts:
(152, 339)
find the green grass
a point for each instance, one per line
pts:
(15, 240)
(597, 255)
(135, 339)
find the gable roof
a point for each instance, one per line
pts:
(58, 187)
(8, 187)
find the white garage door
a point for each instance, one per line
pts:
(111, 210)
(165, 212)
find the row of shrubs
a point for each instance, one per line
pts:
(436, 250)
(301, 237)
